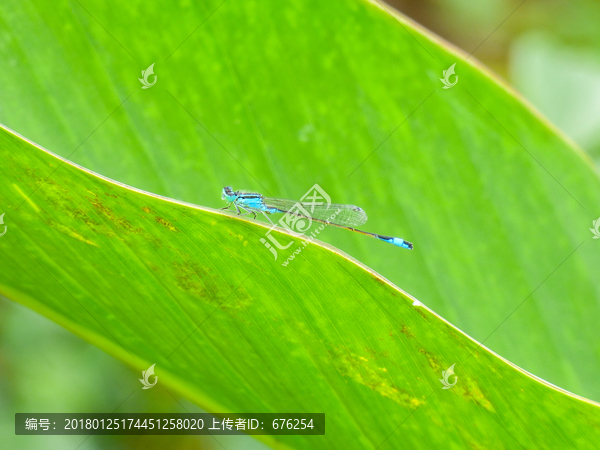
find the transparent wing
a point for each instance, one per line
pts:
(336, 213)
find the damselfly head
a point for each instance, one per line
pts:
(227, 192)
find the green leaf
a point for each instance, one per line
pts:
(192, 290)
(275, 97)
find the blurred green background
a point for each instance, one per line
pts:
(548, 51)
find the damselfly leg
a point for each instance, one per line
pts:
(267, 217)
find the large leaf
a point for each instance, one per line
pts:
(275, 96)
(194, 291)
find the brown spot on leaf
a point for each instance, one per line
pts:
(406, 331)
(369, 374)
(431, 360)
(198, 282)
(166, 224)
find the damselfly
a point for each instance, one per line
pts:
(339, 215)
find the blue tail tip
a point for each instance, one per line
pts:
(402, 243)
